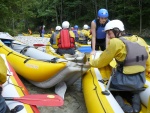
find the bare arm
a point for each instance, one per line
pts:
(107, 40)
(93, 29)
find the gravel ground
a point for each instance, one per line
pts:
(73, 101)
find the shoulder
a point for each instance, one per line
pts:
(93, 22)
(70, 31)
(115, 44)
(115, 41)
(71, 34)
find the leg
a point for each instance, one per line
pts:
(136, 103)
(102, 47)
(103, 44)
(97, 47)
(3, 106)
(119, 95)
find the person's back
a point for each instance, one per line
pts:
(75, 31)
(65, 40)
(84, 35)
(53, 38)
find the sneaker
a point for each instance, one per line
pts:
(126, 108)
(17, 109)
(136, 103)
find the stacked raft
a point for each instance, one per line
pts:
(13, 87)
(41, 69)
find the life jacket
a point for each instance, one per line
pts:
(82, 36)
(75, 32)
(136, 55)
(53, 38)
(100, 34)
(65, 41)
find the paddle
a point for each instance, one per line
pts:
(38, 99)
(39, 45)
(113, 64)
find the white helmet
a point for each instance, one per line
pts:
(58, 28)
(85, 26)
(114, 24)
(65, 24)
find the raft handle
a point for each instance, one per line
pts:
(105, 92)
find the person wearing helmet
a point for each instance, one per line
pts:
(133, 63)
(97, 27)
(75, 31)
(66, 40)
(53, 37)
(84, 34)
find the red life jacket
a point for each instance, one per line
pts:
(65, 41)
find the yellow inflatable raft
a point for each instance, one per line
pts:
(37, 35)
(78, 57)
(96, 102)
(82, 45)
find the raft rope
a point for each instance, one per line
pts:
(14, 84)
(26, 58)
(29, 58)
(97, 92)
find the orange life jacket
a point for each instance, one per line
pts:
(65, 41)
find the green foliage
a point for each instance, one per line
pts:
(19, 15)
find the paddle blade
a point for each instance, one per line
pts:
(38, 45)
(39, 100)
(60, 89)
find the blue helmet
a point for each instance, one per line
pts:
(76, 27)
(103, 13)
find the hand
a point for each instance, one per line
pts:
(87, 63)
(93, 52)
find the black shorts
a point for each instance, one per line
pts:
(100, 44)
